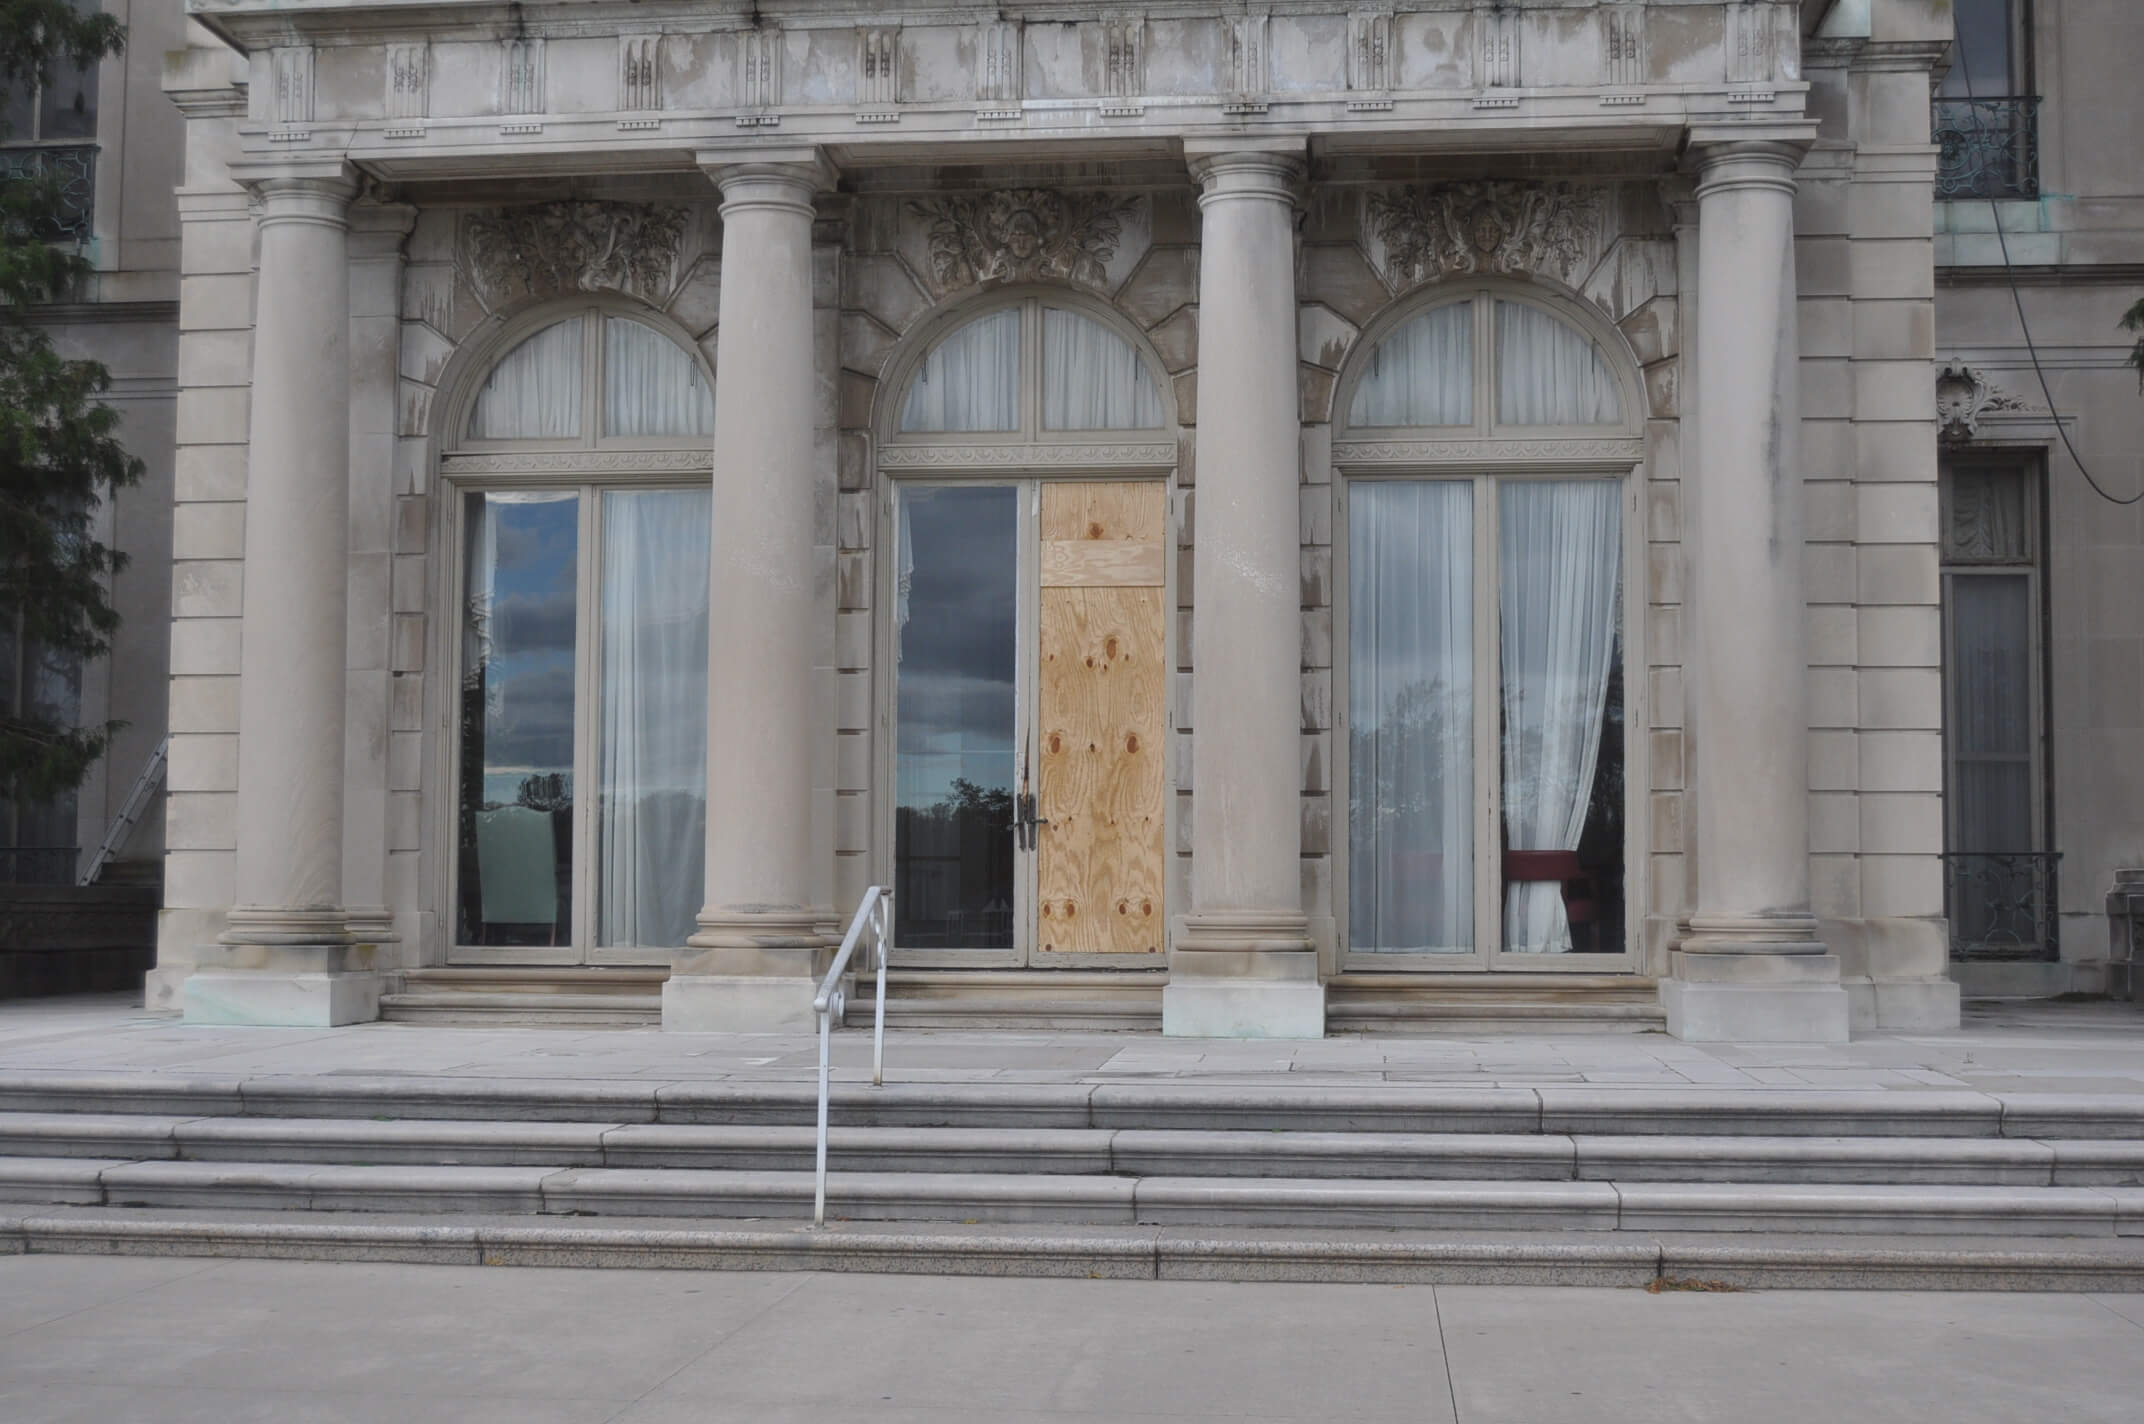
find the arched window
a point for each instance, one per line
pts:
(1546, 372)
(577, 493)
(1485, 455)
(1035, 367)
(644, 386)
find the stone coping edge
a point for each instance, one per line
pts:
(1664, 1262)
(1383, 1106)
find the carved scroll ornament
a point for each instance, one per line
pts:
(1455, 229)
(550, 249)
(1965, 394)
(1019, 234)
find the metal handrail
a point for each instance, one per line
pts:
(876, 912)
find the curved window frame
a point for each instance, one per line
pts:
(1485, 426)
(592, 314)
(1485, 454)
(1028, 435)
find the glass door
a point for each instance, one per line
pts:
(1029, 722)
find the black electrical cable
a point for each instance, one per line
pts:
(2017, 300)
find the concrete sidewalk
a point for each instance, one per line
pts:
(179, 1341)
(2025, 1047)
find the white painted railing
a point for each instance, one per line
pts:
(874, 913)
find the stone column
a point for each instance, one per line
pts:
(753, 965)
(1242, 963)
(287, 956)
(1750, 966)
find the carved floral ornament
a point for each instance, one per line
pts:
(1484, 228)
(552, 249)
(1964, 395)
(1021, 234)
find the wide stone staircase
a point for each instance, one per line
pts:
(1374, 1182)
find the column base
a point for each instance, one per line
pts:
(1237, 974)
(1242, 1008)
(765, 986)
(1755, 998)
(283, 985)
(739, 1003)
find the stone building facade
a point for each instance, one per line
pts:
(1258, 519)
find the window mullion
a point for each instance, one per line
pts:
(587, 735)
(1488, 727)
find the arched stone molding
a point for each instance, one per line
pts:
(1599, 245)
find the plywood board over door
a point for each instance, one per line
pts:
(1101, 718)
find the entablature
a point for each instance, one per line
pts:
(415, 88)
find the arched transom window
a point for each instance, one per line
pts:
(1035, 370)
(1543, 372)
(594, 378)
(1485, 458)
(577, 502)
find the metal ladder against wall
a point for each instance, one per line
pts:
(130, 814)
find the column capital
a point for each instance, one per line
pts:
(1723, 164)
(760, 175)
(316, 191)
(1229, 168)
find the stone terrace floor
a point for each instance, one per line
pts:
(2005, 1047)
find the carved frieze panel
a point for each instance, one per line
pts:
(409, 79)
(1370, 57)
(1026, 234)
(1247, 52)
(997, 62)
(1622, 46)
(1124, 57)
(877, 67)
(640, 73)
(521, 77)
(553, 249)
(291, 92)
(759, 67)
(1496, 48)
(1552, 229)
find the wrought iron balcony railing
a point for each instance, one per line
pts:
(75, 166)
(2001, 906)
(1987, 148)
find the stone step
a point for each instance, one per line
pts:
(1125, 1152)
(1655, 1260)
(1174, 1104)
(1296, 1203)
(517, 1009)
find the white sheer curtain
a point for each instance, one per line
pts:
(1547, 373)
(970, 381)
(1411, 715)
(534, 393)
(1560, 575)
(650, 387)
(653, 804)
(1092, 378)
(1422, 374)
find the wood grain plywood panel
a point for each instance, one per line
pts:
(1102, 715)
(1101, 563)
